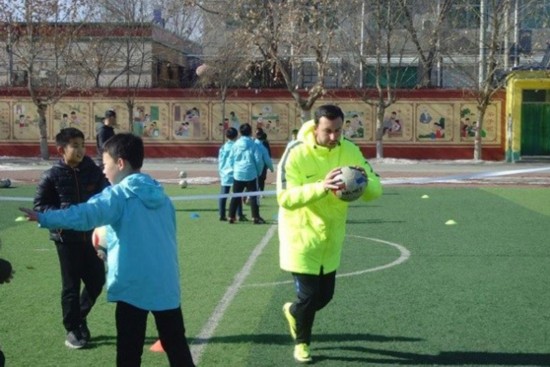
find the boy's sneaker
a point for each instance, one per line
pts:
(259, 220)
(75, 340)
(243, 218)
(290, 319)
(85, 332)
(301, 353)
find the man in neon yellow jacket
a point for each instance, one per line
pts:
(312, 220)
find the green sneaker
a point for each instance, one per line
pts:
(291, 320)
(301, 353)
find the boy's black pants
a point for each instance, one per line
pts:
(131, 325)
(238, 187)
(79, 262)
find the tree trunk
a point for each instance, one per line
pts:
(43, 129)
(305, 115)
(379, 132)
(130, 104)
(479, 133)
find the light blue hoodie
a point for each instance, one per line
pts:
(225, 169)
(141, 240)
(246, 159)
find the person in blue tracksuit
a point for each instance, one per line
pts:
(225, 171)
(246, 160)
(143, 271)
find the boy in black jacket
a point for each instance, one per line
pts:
(6, 273)
(72, 180)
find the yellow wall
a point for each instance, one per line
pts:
(518, 81)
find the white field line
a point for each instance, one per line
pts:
(201, 340)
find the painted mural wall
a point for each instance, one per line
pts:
(408, 122)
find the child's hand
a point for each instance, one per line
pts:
(30, 214)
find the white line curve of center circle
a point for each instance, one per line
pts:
(404, 255)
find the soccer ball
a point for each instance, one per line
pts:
(183, 184)
(352, 183)
(183, 174)
(5, 183)
(99, 240)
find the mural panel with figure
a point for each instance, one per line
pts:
(190, 121)
(151, 120)
(398, 122)
(236, 114)
(358, 121)
(25, 124)
(434, 122)
(469, 117)
(71, 114)
(272, 118)
(5, 126)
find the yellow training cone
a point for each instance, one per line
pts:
(450, 222)
(425, 197)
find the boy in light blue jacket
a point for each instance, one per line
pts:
(143, 270)
(225, 170)
(246, 160)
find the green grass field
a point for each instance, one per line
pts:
(414, 291)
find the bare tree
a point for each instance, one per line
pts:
(134, 53)
(41, 35)
(95, 56)
(379, 55)
(483, 82)
(288, 36)
(492, 22)
(425, 33)
(222, 71)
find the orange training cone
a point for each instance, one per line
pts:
(157, 347)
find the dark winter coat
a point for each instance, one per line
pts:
(103, 134)
(62, 186)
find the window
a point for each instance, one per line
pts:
(536, 15)
(400, 77)
(20, 78)
(309, 74)
(464, 14)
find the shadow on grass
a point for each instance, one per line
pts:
(284, 339)
(373, 221)
(197, 210)
(101, 340)
(443, 358)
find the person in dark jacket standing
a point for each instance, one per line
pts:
(105, 132)
(261, 138)
(73, 179)
(6, 273)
